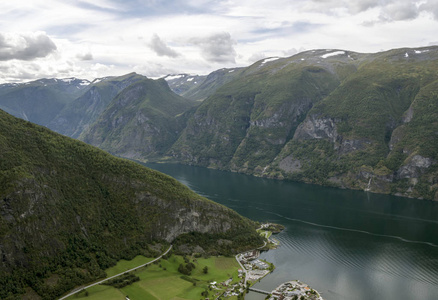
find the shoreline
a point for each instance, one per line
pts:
(289, 290)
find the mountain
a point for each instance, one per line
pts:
(332, 117)
(182, 83)
(142, 121)
(41, 100)
(80, 113)
(69, 210)
(199, 88)
(244, 125)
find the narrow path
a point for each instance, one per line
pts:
(106, 279)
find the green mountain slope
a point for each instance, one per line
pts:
(325, 116)
(79, 114)
(143, 121)
(361, 135)
(69, 210)
(245, 124)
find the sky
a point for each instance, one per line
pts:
(90, 39)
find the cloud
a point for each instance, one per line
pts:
(101, 67)
(85, 56)
(154, 70)
(398, 11)
(432, 7)
(160, 48)
(27, 46)
(256, 57)
(217, 47)
(388, 10)
(362, 5)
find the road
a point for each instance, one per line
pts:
(243, 268)
(77, 290)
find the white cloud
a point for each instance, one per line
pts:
(196, 36)
(256, 57)
(400, 10)
(160, 47)
(430, 6)
(85, 56)
(217, 47)
(25, 46)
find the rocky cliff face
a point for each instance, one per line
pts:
(316, 127)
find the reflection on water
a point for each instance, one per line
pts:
(345, 244)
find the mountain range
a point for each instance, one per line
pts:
(333, 117)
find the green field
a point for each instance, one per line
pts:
(264, 233)
(163, 281)
(124, 265)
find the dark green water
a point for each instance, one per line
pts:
(345, 244)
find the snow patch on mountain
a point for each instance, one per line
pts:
(332, 54)
(266, 60)
(171, 77)
(420, 51)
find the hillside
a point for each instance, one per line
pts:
(246, 123)
(142, 121)
(332, 117)
(69, 210)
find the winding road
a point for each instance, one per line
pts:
(77, 290)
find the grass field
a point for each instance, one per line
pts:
(124, 265)
(162, 281)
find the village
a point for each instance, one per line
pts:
(294, 290)
(254, 269)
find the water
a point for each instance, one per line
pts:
(345, 244)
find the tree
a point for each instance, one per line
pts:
(205, 270)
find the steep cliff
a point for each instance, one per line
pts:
(69, 210)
